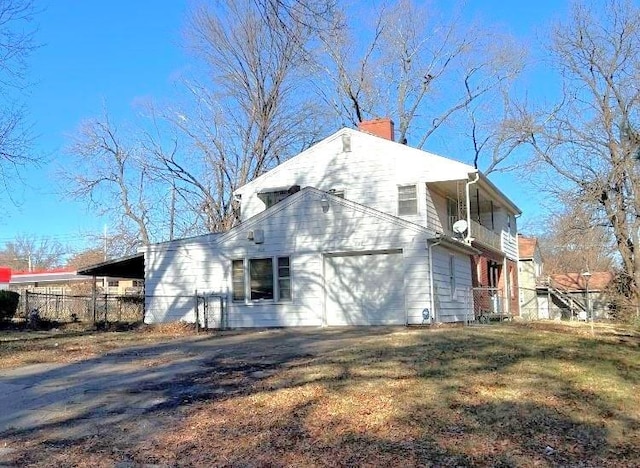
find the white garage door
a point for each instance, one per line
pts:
(365, 289)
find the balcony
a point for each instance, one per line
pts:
(485, 236)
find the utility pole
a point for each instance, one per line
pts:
(172, 210)
(104, 278)
(587, 275)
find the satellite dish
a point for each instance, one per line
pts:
(460, 226)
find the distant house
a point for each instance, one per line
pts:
(66, 281)
(570, 296)
(530, 266)
(53, 281)
(356, 230)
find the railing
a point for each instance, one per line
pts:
(485, 236)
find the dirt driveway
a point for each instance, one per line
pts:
(73, 401)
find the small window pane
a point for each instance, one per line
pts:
(261, 272)
(407, 200)
(284, 278)
(237, 267)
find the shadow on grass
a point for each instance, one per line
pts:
(447, 397)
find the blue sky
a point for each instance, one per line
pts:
(98, 55)
(94, 55)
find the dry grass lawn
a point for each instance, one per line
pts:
(72, 344)
(508, 395)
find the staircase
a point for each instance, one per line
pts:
(567, 299)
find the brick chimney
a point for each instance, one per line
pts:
(379, 127)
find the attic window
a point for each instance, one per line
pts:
(407, 200)
(272, 196)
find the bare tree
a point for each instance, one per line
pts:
(422, 69)
(571, 243)
(16, 43)
(108, 171)
(28, 253)
(249, 115)
(589, 139)
(85, 258)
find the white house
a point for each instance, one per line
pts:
(358, 229)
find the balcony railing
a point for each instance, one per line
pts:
(485, 235)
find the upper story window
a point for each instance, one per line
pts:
(407, 200)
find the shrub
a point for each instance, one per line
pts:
(8, 304)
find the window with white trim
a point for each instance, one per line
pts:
(407, 200)
(237, 279)
(264, 279)
(284, 279)
(261, 278)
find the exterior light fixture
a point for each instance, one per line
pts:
(324, 203)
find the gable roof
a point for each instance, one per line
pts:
(576, 282)
(427, 167)
(455, 170)
(300, 195)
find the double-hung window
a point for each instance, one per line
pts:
(284, 279)
(407, 200)
(237, 279)
(266, 278)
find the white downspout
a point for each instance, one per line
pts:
(467, 239)
(433, 299)
(507, 282)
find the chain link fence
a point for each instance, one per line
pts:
(489, 304)
(80, 308)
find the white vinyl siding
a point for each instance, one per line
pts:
(301, 231)
(452, 276)
(370, 174)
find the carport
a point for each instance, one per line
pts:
(130, 267)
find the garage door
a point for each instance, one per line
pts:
(365, 289)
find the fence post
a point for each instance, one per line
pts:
(106, 310)
(222, 317)
(26, 304)
(196, 312)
